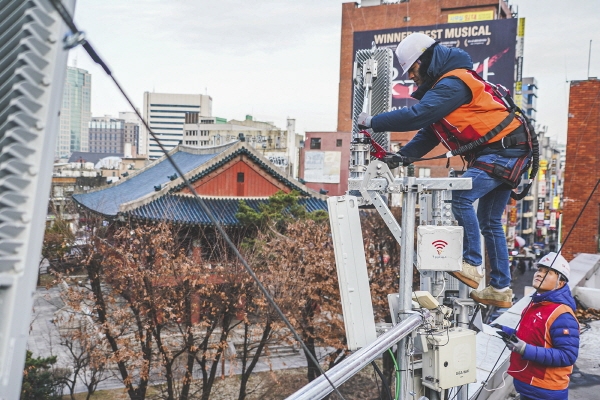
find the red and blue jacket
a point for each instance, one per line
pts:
(551, 331)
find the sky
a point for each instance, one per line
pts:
(279, 59)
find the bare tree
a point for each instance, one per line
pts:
(85, 349)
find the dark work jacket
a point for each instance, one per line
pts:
(435, 103)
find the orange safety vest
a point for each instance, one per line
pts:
(475, 119)
(535, 330)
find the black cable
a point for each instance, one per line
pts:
(384, 382)
(456, 394)
(551, 264)
(92, 53)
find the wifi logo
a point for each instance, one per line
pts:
(439, 245)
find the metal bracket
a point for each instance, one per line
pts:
(72, 40)
(468, 310)
(378, 169)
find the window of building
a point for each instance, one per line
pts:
(315, 143)
(424, 172)
(240, 177)
(338, 143)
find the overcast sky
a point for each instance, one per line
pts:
(276, 59)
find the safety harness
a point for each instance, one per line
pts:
(525, 137)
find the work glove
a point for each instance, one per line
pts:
(513, 343)
(393, 160)
(364, 121)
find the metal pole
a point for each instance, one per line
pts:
(339, 374)
(407, 252)
(437, 283)
(589, 59)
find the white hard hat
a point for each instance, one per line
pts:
(560, 264)
(410, 49)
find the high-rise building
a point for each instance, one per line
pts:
(132, 131)
(165, 114)
(529, 104)
(75, 113)
(107, 135)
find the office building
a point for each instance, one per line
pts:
(324, 158)
(278, 145)
(165, 114)
(529, 104)
(132, 131)
(107, 135)
(75, 113)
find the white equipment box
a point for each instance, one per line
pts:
(439, 248)
(351, 266)
(450, 359)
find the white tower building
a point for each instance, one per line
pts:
(165, 113)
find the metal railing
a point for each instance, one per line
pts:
(320, 387)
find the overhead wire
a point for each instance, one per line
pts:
(78, 37)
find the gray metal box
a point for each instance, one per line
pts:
(450, 359)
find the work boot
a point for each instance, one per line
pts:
(492, 297)
(468, 275)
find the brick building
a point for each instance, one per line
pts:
(582, 169)
(373, 15)
(328, 156)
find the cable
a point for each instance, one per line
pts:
(457, 392)
(80, 39)
(384, 382)
(397, 370)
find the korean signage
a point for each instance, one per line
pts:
(491, 45)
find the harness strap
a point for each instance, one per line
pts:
(517, 138)
(487, 137)
(473, 145)
(510, 176)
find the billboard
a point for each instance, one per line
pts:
(491, 45)
(322, 166)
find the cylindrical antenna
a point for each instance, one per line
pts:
(589, 58)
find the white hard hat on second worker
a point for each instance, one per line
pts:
(410, 49)
(560, 264)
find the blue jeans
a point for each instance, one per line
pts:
(493, 197)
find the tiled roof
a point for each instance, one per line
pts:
(144, 189)
(106, 201)
(268, 166)
(186, 209)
